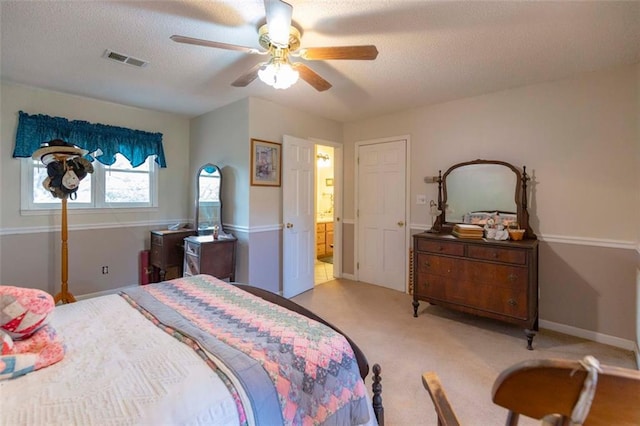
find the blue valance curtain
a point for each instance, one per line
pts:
(135, 145)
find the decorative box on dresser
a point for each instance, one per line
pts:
(205, 255)
(495, 279)
(167, 252)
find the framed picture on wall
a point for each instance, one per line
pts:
(265, 163)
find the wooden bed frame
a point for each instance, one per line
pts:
(363, 364)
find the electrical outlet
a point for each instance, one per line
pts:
(421, 199)
(105, 270)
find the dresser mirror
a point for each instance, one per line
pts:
(469, 190)
(208, 199)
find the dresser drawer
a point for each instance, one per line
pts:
(156, 240)
(510, 302)
(441, 247)
(440, 265)
(504, 276)
(191, 265)
(498, 254)
(156, 255)
(191, 248)
(432, 286)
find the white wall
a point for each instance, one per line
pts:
(30, 245)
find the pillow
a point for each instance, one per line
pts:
(23, 310)
(6, 342)
(41, 350)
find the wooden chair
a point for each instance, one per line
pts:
(548, 390)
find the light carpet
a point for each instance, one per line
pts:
(466, 351)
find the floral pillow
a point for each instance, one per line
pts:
(42, 349)
(23, 310)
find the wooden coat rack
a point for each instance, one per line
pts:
(60, 152)
(64, 295)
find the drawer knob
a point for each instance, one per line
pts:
(512, 277)
(427, 264)
(495, 254)
(512, 302)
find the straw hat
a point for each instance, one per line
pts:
(46, 152)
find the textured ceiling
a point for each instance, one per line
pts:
(428, 51)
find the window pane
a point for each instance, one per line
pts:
(126, 187)
(44, 196)
(123, 164)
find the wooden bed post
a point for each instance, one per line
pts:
(64, 296)
(378, 409)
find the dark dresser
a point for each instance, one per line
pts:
(167, 252)
(495, 279)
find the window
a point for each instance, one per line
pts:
(116, 186)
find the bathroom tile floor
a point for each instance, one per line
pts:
(323, 272)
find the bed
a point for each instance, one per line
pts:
(195, 350)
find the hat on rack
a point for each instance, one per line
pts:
(46, 152)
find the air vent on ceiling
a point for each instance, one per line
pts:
(124, 59)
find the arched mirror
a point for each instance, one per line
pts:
(469, 191)
(208, 199)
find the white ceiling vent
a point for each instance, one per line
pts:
(119, 57)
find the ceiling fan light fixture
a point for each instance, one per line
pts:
(278, 74)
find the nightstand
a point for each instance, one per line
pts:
(204, 255)
(167, 252)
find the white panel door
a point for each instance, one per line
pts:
(382, 257)
(298, 168)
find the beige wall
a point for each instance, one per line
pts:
(270, 121)
(253, 214)
(220, 137)
(638, 195)
(30, 244)
(578, 138)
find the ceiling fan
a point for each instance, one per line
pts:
(281, 40)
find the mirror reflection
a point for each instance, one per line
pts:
(479, 188)
(208, 199)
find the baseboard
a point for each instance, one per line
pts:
(351, 277)
(591, 335)
(101, 293)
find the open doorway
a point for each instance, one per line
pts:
(325, 213)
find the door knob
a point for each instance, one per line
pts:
(289, 225)
(401, 223)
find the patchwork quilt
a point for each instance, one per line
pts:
(294, 370)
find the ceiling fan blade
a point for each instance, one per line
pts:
(248, 77)
(368, 52)
(311, 77)
(278, 15)
(216, 44)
